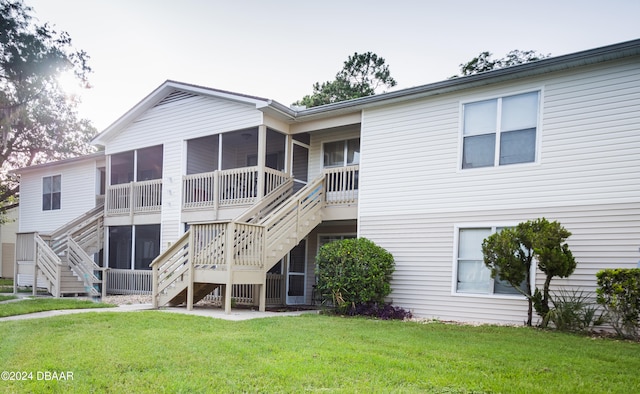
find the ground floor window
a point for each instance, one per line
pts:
(325, 239)
(472, 275)
(133, 247)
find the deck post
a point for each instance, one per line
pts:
(104, 283)
(154, 287)
(263, 294)
(262, 153)
(35, 265)
(190, 285)
(229, 252)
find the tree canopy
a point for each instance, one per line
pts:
(484, 61)
(363, 74)
(38, 120)
(510, 253)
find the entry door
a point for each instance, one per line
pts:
(300, 165)
(296, 273)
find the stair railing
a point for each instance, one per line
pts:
(47, 262)
(84, 266)
(171, 266)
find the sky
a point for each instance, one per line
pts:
(278, 49)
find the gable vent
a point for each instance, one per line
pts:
(175, 96)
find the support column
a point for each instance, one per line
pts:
(262, 154)
(35, 265)
(262, 305)
(190, 285)
(228, 256)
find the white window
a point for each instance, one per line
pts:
(341, 153)
(325, 239)
(500, 131)
(473, 276)
(51, 192)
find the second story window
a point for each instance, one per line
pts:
(341, 153)
(51, 192)
(500, 131)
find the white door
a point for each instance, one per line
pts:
(296, 274)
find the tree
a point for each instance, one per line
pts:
(354, 271)
(38, 121)
(483, 62)
(363, 74)
(510, 253)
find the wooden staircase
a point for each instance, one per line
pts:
(63, 258)
(241, 251)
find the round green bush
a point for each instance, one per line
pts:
(354, 271)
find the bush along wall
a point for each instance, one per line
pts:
(619, 293)
(354, 275)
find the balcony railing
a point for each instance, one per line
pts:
(238, 186)
(134, 197)
(341, 185)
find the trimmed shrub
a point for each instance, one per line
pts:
(619, 292)
(354, 271)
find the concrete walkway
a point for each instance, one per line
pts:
(235, 315)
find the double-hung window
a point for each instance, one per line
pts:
(473, 276)
(500, 131)
(51, 192)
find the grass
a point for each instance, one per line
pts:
(163, 352)
(46, 304)
(7, 297)
(6, 286)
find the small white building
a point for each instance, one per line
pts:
(236, 193)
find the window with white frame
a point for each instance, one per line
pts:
(325, 239)
(473, 276)
(500, 131)
(51, 192)
(341, 153)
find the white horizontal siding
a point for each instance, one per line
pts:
(413, 193)
(78, 195)
(603, 236)
(588, 149)
(191, 117)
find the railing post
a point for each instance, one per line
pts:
(154, 287)
(190, 285)
(263, 293)
(132, 198)
(216, 192)
(35, 264)
(229, 252)
(58, 280)
(105, 273)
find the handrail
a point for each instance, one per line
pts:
(169, 267)
(89, 215)
(49, 264)
(258, 211)
(83, 266)
(310, 187)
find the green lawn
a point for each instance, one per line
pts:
(46, 304)
(7, 297)
(164, 352)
